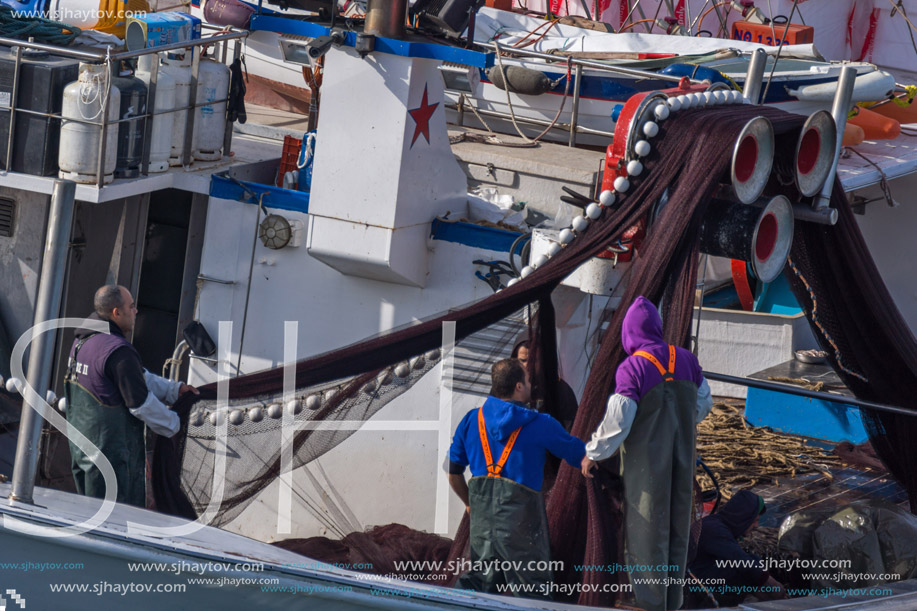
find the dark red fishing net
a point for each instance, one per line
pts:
(831, 272)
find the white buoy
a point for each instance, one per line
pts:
(622, 184)
(662, 112)
(650, 129)
(236, 417)
(13, 385)
(607, 197)
(50, 397)
(216, 418)
(634, 167)
(256, 414)
(566, 236)
(513, 282)
(675, 103)
(62, 406)
(330, 394)
(313, 402)
(275, 410)
(593, 211)
(580, 223)
(294, 406)
(433, 355)
(418, 363)
(554, 248)
(643, 148)
(527, 271)
(403, 370)
(370, 387)
(540, 260)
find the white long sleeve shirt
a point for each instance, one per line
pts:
(619, 417)
(154, 411)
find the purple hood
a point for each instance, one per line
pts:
(642, 326)
(642, 330)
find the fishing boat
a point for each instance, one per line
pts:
(546, 55)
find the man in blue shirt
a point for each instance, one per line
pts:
(504, 443)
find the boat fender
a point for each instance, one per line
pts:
(700, 73)
(524, 81)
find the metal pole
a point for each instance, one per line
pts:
(754, 76)
(542, 122)
(574, 116)
(643, 74)
(812, 394)
(827, 216)
(14, 102)
(227, 134)
(839, 110)
(192, 107)
(105, 108)
(47, 307)
(150, 115)
(386, 18)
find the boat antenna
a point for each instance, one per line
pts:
(786, 30)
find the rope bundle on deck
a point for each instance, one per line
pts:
(742, 456)
(22, 25)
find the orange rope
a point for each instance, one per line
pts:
(700, 24)
(518, 44)
(639, 21)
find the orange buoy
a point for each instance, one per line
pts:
(853, 135)
(875, 126)
(901, 114)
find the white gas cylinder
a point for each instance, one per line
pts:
(84, 100)
(161, 135)
(210, 119)
(179, 68)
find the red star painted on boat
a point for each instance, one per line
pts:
(421, 116)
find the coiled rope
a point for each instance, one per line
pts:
(17, 24)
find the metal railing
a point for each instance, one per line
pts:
(573, 127)
(222, 37)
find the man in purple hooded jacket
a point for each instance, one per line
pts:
(660, 395)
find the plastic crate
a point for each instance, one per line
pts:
(289, 157)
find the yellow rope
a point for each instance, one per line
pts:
(731, 82)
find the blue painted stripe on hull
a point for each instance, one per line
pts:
(477, 236)
(274, 197)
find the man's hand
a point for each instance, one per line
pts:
(587, 465)
(187, 388)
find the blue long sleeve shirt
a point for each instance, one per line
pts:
(540, 433)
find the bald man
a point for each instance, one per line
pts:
(111, 397)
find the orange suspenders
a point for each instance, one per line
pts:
(493, 470)
(667, 376)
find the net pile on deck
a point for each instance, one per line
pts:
(831, 272)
